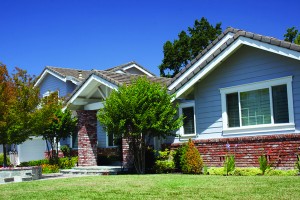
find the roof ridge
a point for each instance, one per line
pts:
(66, 68)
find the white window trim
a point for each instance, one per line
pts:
(46, 94)
(186, 105)
(263, 127)
(107, 140)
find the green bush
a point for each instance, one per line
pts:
(229, 164)
(66, 163)
(297, 164)
(263, 163)
(177, 156)
(191, 161)
(34, 163)
(48, 168)
(247, 171)
(216, 171)
(66, 150)
(277, 172)
(2, 158)
(165, 161)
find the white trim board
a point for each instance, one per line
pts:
(139, 68)
(64, 79)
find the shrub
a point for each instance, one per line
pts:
(229, 164)
(297, 164)
(277, 172)
(66, 150)
(48, 168)
(177, 156)
(66, 163)
(263, 163)
(247, 172)
(216, 171)
(34, 163)
(191, 161)
(165, 161)
(2, 158)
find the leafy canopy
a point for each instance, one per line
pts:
(138, 112)
(292, 35)
(180, 52)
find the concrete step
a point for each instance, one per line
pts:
(93, 170)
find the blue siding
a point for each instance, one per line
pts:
(51, 83)
(247, 65)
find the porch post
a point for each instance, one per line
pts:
(126, 154)
(87, 137)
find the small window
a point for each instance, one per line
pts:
(258, 104)
(188, 112)
(110, 138)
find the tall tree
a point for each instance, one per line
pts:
(54, 123)
(19, 99)
(138, 112)
(292, 35)
(180, 52)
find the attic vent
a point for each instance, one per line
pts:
(80, 74)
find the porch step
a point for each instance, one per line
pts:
(93, 170)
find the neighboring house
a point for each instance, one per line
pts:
(65, 81)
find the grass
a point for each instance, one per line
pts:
(167, 186)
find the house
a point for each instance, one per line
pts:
(240, 95)
(242, 91)
(65, 81)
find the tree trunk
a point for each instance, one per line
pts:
(4, 156)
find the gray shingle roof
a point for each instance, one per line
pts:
(64, 72)
(237, 33)
(119, 79)
(120, 67)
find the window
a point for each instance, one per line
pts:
(110, 140)
(261, 106)
(188, 111)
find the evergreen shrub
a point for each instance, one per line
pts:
(191, 161)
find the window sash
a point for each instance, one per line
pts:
(189, 124)
(258, 107)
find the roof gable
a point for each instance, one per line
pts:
(125, 67)
(226, 44)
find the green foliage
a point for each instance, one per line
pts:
(179, 152)
(61, 163)
(2, 158)
(297, 164)
(263, 163)
(138, 112)
(292, 35)
(165, 161)
(191, 161)
(53, 123)
(205, 170)
(180, 52)
(66, 163)
(277, 172)
(229, 164)
(247, 172)
(216, 171)
(66, 150)
(48, 168)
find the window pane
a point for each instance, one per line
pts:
(255, 107)
(188, 122)
(233, 110)
(280, 104)
(75, 139)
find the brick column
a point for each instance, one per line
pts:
(87, 137)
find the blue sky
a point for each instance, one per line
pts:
(96, 34)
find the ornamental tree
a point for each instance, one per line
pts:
(18, 103)
(54, 123)
(139, 112)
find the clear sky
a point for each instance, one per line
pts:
(96, 34)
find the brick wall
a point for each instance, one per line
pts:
(280, 149)
(87, 137)
(127, 157)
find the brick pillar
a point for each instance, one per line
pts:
(127, 157)
(87, 137)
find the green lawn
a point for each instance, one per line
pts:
(169, 186)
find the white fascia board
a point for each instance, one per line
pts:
(85, 85)
(234, 46)
(271, 48)
(204, 57)
(49, 72)
(94, 106)
(136, 66)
